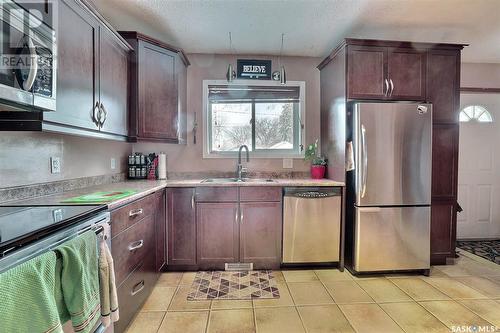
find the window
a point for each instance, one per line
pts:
(265, 117)
(475, 113)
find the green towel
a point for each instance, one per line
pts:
(80, 280)
(30, 297)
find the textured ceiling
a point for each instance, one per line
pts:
(311, 27)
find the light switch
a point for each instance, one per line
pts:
(55, 165)
(113, 163)
(287, 163)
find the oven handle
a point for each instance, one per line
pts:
(28, 84)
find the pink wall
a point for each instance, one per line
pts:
(480, 75)
(213, 67)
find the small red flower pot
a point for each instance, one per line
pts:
(318, 171)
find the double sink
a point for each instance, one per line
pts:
(237, 180)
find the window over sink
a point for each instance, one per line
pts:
(265, 116)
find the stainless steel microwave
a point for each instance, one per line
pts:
(28, 52)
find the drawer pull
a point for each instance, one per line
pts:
(135, 245)
(135, 212)
(137, 288)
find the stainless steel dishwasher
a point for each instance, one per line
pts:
(311, 224)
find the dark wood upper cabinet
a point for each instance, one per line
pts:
(386, 73)
(217, 234)
(260, 234)
(92, 76)
(181, 221)
(443, 84)
(366, 72)
(158, 90)
(406, 69)
(77, 59)
(113, 83)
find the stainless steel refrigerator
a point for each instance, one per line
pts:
(392, 145)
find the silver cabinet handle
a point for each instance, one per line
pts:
(241, 216)
(28, 84)
(192, 201)
(236, 215)
(392, 87)
(135, 245)
(105, 113)
(135, 212)
(137, 288)
(95, 116)
(386, 85)
(365, 160)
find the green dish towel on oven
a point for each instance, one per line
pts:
(30, 297)
(80, 281)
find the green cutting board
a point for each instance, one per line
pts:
(100, 197)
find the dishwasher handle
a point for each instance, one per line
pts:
(312, 193)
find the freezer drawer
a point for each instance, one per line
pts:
(391, 238)
(311, 229)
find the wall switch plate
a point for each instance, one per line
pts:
(287, 163)
(113, 163)
(55, 165)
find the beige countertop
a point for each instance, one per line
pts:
(145, 187)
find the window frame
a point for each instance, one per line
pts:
(475, 120)
(299, 124)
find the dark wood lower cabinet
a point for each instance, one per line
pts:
(181, 227)
(161, 231)
(217, 235)
(443, 231)
(260, 234)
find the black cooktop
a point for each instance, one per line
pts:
(23, 224)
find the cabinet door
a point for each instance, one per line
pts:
(443, 84)
(77, 59)
(443, 231)
(113, 82)
(406, 70)
(157, 114)
(366, 72)
(445, 161)
(181, 226)
(260, 234)
(161, 231)
(217, 237)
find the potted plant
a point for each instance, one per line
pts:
(318, 162)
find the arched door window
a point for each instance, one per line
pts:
(475, 113)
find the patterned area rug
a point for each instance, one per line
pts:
(233, 285)
(488, 249)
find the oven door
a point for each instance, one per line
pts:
(27, 66)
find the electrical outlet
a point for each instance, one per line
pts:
(287, 163)
(55, 165)
(113, 163)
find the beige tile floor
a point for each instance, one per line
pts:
(464, 294)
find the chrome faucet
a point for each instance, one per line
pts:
(240, 169)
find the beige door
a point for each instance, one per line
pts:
(479, 171)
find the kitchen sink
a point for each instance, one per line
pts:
(236, 180)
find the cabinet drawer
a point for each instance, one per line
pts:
(134, 291)
(127, 215)
(260, 194)
(130, 247)
(216, 194)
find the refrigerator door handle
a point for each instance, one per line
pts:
(369, 209)
(365, 160)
